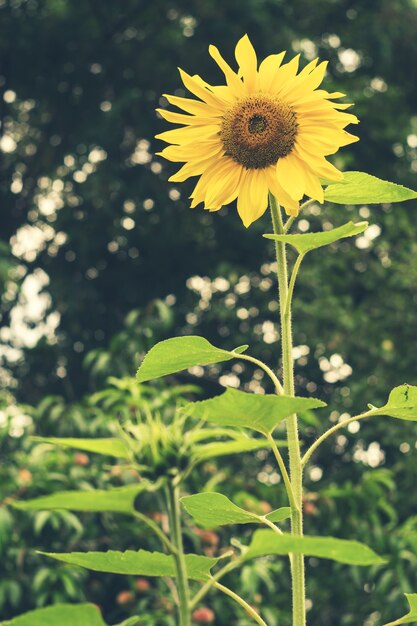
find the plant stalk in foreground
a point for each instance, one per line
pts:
(296, 472)
(173, 501)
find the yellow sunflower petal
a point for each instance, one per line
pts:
(194, 106)
(313, 187)
(189, 133)
(290, 174)
(259, 193)
(291, 206)
(317, 144)
(247, 61)
(308, 83)
(308, 68)
(268, 69)
(197, 86)
(284, 74)
(192, 152)
(223, 92)
(318, 164)
(233, 81)
(224, 188)
(193, 168)
(244, 201)
(209, 177)
(180, 118)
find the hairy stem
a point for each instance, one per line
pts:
(278, 387)
(180, 565)
(283, 469)
(212, 581)
(329, 432)
(158, 531)
(249, 610)
(296, 474)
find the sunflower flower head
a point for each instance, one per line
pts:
(269, 129)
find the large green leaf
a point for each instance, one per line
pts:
(214, 509)
(117, 500)
(411, 617)
(402, 404)
(140, 563)
(180, 353)
(210, 510)
(309, 241)
(267, 542)
(248, 410)
(209, 451)
(60, 615)
(361, 188)
(109, 446)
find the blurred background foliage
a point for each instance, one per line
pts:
(100, 257)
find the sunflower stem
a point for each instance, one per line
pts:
(296, 471)
(179, 557)
(247, 607)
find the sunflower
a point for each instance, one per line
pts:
(267, 130)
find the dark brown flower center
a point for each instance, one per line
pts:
(259, 130)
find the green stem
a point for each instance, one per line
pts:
(262, 365)
(291, 219)
(293, 278)
(283, 469)
(211, 582)
(329, 432)
(158, 532)
(180, 565)
(296, 473)
(249, 610)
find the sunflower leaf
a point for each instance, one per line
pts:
(117, 500)
(267, 542)
(361, 188)
(402, 404)
(211, 509)
(180, 353)
(108, 446)
(411, 617)
(62, 614)
(310, 241)
(140, 563)
(248, 410)
(208, 451)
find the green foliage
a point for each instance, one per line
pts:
(411, 616)
(117, 500)
(267, 542)
(210, 451)
(140, 563)
(310, 241)
(65, 615)
(109, 446)
(402, 404)
(180, 353)
(361, 188)
(210, 510)
(262, 413)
